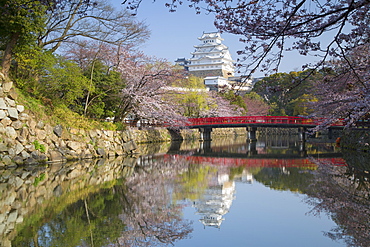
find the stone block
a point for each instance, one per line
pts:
(58, 130)
(17, 125)
(20, 108)
(13, 94)
(3, 105)
(92, 133)
(3, 147)
(18, 148)
(10, 102)
(6, 121)
(2, 114)
(25, 154)
(100, 151)
(15, 182)
(40, 125)
(21, 139)
(12, 216)
(74, 145)
(10, 198)
(7, 86)
(40, 134)
(10, 132)
(13, 113)
(23, 116)
(49, 129)
(18, 160)
(32, 124)
(56, 156)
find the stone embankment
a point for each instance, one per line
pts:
(24, 140)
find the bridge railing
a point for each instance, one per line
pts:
(283, 120)
(258, 120)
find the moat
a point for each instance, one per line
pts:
(228, 192)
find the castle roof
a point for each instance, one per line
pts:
(211, 35)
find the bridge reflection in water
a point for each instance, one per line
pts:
(283, 151)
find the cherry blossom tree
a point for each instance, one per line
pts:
(141, 93)
(256, 105)
(221, 107)
(344, 92)
(146, 81)
(196, 101)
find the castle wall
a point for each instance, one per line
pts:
(213, 72)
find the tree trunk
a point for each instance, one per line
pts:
(8, 52)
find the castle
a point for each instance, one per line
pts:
(211, 61)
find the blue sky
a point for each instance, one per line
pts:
(175, 34)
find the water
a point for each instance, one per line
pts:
(225, 193)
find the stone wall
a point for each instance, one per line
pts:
(213, 72)
(25, 140)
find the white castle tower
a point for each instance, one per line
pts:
(211, 58)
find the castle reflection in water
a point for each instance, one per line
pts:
(217, 198)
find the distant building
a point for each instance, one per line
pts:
(211, 57)
(212, 61)
(216, 82)
(183, 62)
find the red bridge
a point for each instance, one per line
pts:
(205, 125)
(258, 121)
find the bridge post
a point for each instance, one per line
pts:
(302, 149)
(251, 148)
(205, 146)
(330, 133)
(205, 134)
(251, 134)
(302, 134)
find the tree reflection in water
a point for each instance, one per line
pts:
(150, 216)
(343, 193)
(135, 212)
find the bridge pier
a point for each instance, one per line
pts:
(302, 149)
(205, 146)
(302, 134)
(205, 134)
(330, 133)
(251, 148)
(251, 134)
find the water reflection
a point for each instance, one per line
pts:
(215, 201)
(140, 201)
(121, 202)
(344, 193)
